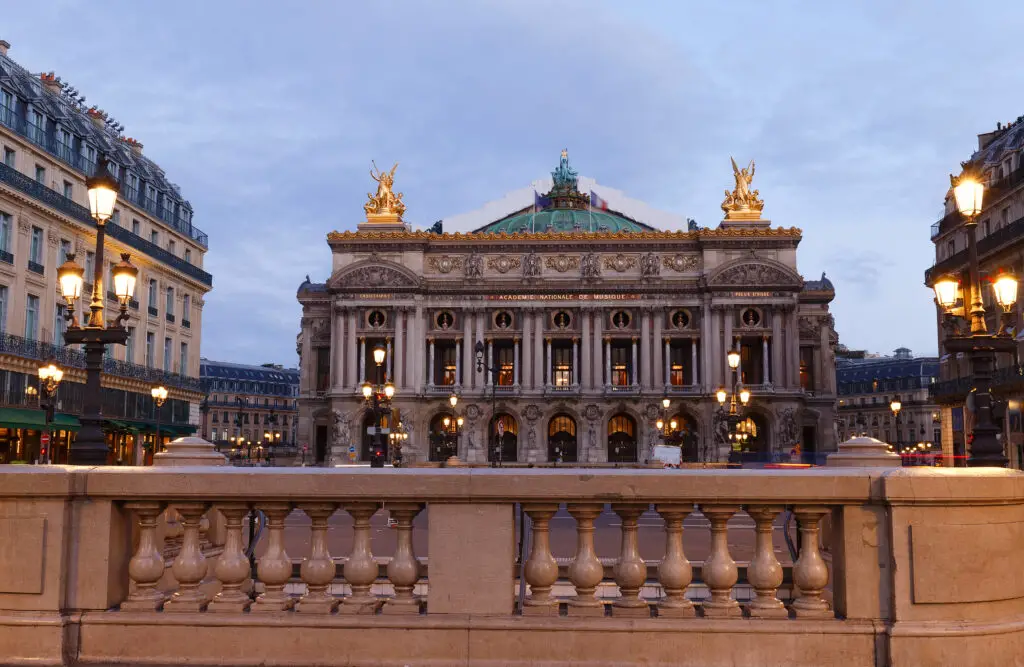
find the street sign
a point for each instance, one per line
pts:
(44, 439)
(351, 449)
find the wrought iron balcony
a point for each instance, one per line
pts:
(72, 358)
(186, 324)
(36, 267)
(169, 317)
(153, 311)
(6, 257)
(986, 246)
(55, 200)
(683, 389)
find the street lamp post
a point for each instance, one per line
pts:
(732, 417)
(90, 446)
(668, 427)
(49, 379)
(896, 405)
(495, 370)
(159, 395)
(978, 344)
(378, 397)
(452, 426)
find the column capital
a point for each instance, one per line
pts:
(362, 339)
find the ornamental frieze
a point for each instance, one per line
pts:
(374, 276)
(562, 263)
(681, 263)
(620, 263)
(503, 263)
(445, 264)
(754, 274)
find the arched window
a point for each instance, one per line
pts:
(622, 445)
(562, 446)
(503, 438)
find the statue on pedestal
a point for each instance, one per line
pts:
(386, 204)
(742, 203)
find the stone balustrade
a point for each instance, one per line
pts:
(910, 566)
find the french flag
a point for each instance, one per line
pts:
(597, 202)
(540, 202)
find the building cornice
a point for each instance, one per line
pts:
(359, 237)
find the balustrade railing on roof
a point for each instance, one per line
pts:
(1009, 233)
(56, 200)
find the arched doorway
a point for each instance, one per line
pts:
(503, 438)
(750, 440)
(371, 440)
(687, 436)
(562, 439)
(622, 439)
(443, 438)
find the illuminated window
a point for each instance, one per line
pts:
(561, 365)
(621, 362)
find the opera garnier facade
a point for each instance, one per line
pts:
(560, 332)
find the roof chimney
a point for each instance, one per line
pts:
(4, 45)
(51, 82)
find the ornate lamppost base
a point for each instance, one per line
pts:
(90, 446)
(981, 349)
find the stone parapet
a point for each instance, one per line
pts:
(893, 566)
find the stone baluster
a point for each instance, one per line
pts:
(630, 570)
(719, 571)
(232, 568)
(764, 572)
(674, 571)
(318, 569)
(586, 571)
(810, 574)
(360, 570)
(541, 569)
(274, 569)
(404, 569)
(189, 568)
(146, 566)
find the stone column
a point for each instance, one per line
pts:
(548, 365)
(362, 360)
(352, 367)
(764, 572)
(516, 342)
(360, 570)
(430, 364)
(667, 378)
(585, 353)
(458, 363)
(765, 378)
(538, 348)
(674, 572)
(477, 380)
(399, 348)
(719, 569)
(633, 369)
(630, 570)
(694, 368)
(489, 377)
(540, 569)
(526, 376)
(586, 570)
(794, 346)
(826, 376)
(336, 358)
(713, 378)
(776, 348)
(464, 354)
(146, 566)
(810, 574)
(575, 362)
(607, 361)
(707, 338)
(232, 568)
(274, 568)
(389, 368)
(403, 569)
(189, 568)
(645, 349)
(599, 379)
(317, 569)
(723, 359)
(656, 348)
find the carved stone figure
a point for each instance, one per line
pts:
(531, 265)
(754, 274)
(341, 432)
(376, 276)
(386, 203)
(649, 265)
(789, 432)
(742, 203)
(475, 266)
(589, 266)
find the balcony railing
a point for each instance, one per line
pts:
(72, 358)
(864, 587)
(57, 201)
(169, 317)
(6, 257)
(79, 162)
(1004, 379)
(153, 311)
(986, 246)
(36, 267)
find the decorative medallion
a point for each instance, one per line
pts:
(620, 262)
(503, 263)
(681, 263)
(444, 320)
(473, 412)
(562, 263)
(680, 319)
(445, 264)
(532, 412)
(592, 412)
(751, 317)
(620, 319)
(561, 319)
(376, 319)
(502, 319)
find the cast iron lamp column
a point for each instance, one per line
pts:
(49, 378)
(896, 405)
(494, 370)
(979, 345)
(378, 397)
(732, 417)
(90, 446)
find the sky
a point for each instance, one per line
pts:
(267, 114)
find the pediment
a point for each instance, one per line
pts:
(373, 274)
(755, 273)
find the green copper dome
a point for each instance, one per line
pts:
(565, 209)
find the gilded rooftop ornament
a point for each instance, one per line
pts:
(386, 205)
(742, 203)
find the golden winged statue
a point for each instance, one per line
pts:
(386, 204)
(742, 203)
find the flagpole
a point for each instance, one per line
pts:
(590, 210)
(533, 216)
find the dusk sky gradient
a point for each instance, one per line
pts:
(267, 114)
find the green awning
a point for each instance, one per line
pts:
(36, 419)
(166, 430)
